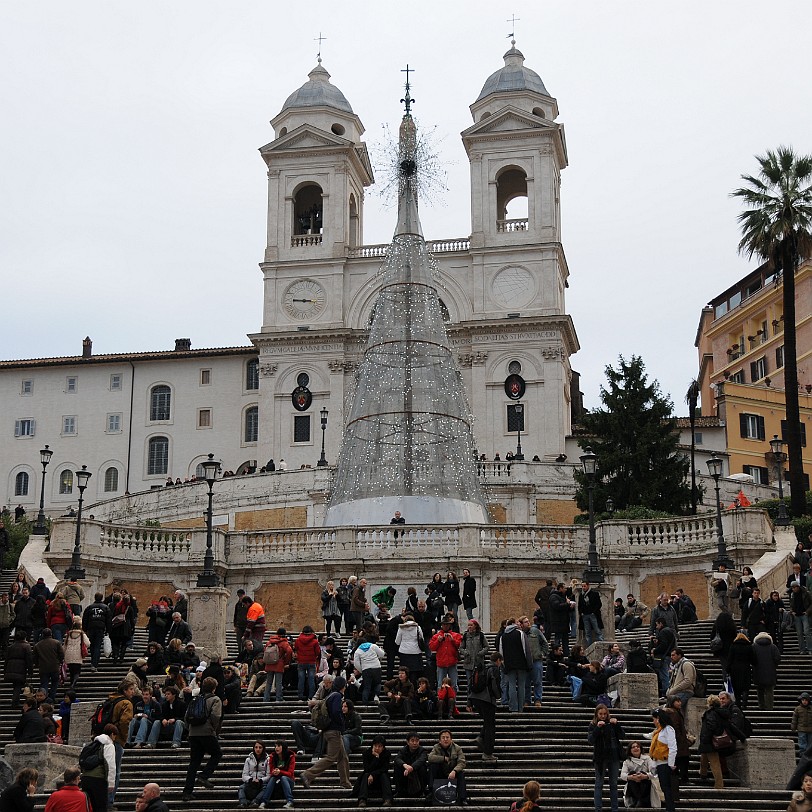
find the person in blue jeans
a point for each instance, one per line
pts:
(802, 722)
(589, 614)
(282, 767)
(170, 722)
(605, 734)
(145, 711)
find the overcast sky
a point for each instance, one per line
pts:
(133, 196)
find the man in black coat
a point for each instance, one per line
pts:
(96, 623)
(150, 800)
(662, 644)
(23, 621)
(179, 629)
(411, 770)
(468, 593)
(589, 614)
(560, 607)
(31, 727)
(19, 665)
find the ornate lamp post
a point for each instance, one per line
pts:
(209, 577)
(593, 573)
(780, 457)
(75, 570)
(41, 528)
(519, 411)
(610, 506)
(323, 460)
(715, 470)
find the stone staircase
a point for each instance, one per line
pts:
(547, 744)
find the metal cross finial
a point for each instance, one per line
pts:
(408, 100)
(320, 39)
(512, 34)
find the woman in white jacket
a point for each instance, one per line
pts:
(642, 787)
(255, 774)
(410, 643)
(100, 781)
(663, 754)
(367, 659)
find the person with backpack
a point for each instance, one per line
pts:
(203, 717)
(308, 656)
(333, 730)
(116, 710)
(683, 678)
(483, 699)
(96, 623)
(97, 761)
(539, 650)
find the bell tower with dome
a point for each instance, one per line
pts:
(500, 289)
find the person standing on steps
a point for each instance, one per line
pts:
(589, 614)
(468, 593)
(514, 647)
(96, 623)
(335, 754)
(605, 734)
(203, 739)
(483, 700)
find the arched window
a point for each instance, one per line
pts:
(251, 433)
(252, 374)
(66, 481)
(354, 223)
(160, 403)
(158, 456)
(111, 479)
(511, 200)
(21, 484)
(308, 210)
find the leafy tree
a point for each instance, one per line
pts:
(777, 227)
(636, 441)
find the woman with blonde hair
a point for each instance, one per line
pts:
(715, 723)
(530, 798)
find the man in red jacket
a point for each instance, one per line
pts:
(446, 645)
(68, 798)
(277, 657)
(308, 656)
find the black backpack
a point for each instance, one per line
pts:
(701, 684)
(103, 715)
(92, 756)
(199, 711)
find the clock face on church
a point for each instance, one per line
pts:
(513, 287)
(304, 299)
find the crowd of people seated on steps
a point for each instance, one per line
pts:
(406, 664)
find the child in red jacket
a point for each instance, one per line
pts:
(447, 699)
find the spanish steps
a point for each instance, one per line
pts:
(548, 744)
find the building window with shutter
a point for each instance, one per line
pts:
(761, 476)
(758, 370)
(68, 425)
(25, 427)
(801, 428)
(779, 357)
(115, 382)
(751, 426)
(204, 418)
(114, 423)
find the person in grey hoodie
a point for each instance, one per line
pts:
(367, 659)
(765, 669)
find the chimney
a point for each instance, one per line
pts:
(182, 344)
(87, 347)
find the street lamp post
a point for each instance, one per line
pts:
(209, 577)
(41, 528)
(519, 412)
(593, 573)
(777, 447)
(722, 558)
(75, 571)
(323, 460)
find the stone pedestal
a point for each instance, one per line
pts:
(51, 760)
(80, 713)
(634, 690)
(208, 617)
(762, 762)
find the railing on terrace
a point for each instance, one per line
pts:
(302, 240)
(434, 246)
(745, 531)
(505, 226)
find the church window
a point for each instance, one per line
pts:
(21, 482)
(511, 200)
(302, 379)
(308, 210)
(157, 456)
(160, 403)
(537, 111)
(355, 229)
(111, 480)
(301, 428)
(514, 368)
(484, 116)
(66, 482)
(252, 374)
(338, 129)
(251, 434)
(283, 131)
(444, 314)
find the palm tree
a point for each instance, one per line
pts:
(692, 398)
(777, 227)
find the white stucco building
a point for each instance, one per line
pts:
(135, 419)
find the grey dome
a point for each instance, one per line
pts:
(318, 92)
(514, 76)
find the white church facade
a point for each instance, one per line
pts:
(136, 419)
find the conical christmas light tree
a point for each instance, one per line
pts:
(407, 444)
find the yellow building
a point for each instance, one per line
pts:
(740, 340)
